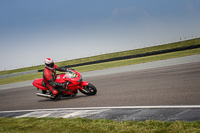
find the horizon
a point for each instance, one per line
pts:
(31, 31)
(181, 40)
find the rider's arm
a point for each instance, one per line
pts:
(62, 69)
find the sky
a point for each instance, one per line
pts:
(32, 30)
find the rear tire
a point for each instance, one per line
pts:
(44, 91)
(57, 97)
(89, 90)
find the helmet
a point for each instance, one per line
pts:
(49, 63)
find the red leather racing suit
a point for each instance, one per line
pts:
(49, 77)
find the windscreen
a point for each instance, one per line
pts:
(70, 74)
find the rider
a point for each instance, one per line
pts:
(49, 75)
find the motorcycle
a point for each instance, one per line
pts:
(73, 82)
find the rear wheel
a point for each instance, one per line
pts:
(89, 90)
(44, 91)
(57, 97)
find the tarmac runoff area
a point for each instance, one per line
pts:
(119, 113)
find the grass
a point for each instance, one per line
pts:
(137, 60)
(111, 55)
(107, 65)
(77, 125)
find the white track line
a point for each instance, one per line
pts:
(82, 113)
(112, 107)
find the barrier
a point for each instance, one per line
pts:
(110, 59)
(134, 56)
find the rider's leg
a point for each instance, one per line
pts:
(52, 89)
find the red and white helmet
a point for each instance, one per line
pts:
(49, 63)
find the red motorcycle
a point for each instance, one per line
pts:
(73, 81)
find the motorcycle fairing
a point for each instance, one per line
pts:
(38, 83)
(75, 82)
(83, 83)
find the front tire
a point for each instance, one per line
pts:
(89, 90)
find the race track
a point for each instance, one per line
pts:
(171, 85)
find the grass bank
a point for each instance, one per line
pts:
(111, 55)
(107, 65)
(77, 125)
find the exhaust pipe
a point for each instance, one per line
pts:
(44, 95)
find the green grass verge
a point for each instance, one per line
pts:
(110, 55)
(137, 60)
(107, 65)
(82, 125)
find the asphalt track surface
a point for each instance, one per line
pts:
(173, 86)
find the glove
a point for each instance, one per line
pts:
(64, 85)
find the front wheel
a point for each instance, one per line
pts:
(89, 90)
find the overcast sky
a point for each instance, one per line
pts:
(32, 30)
